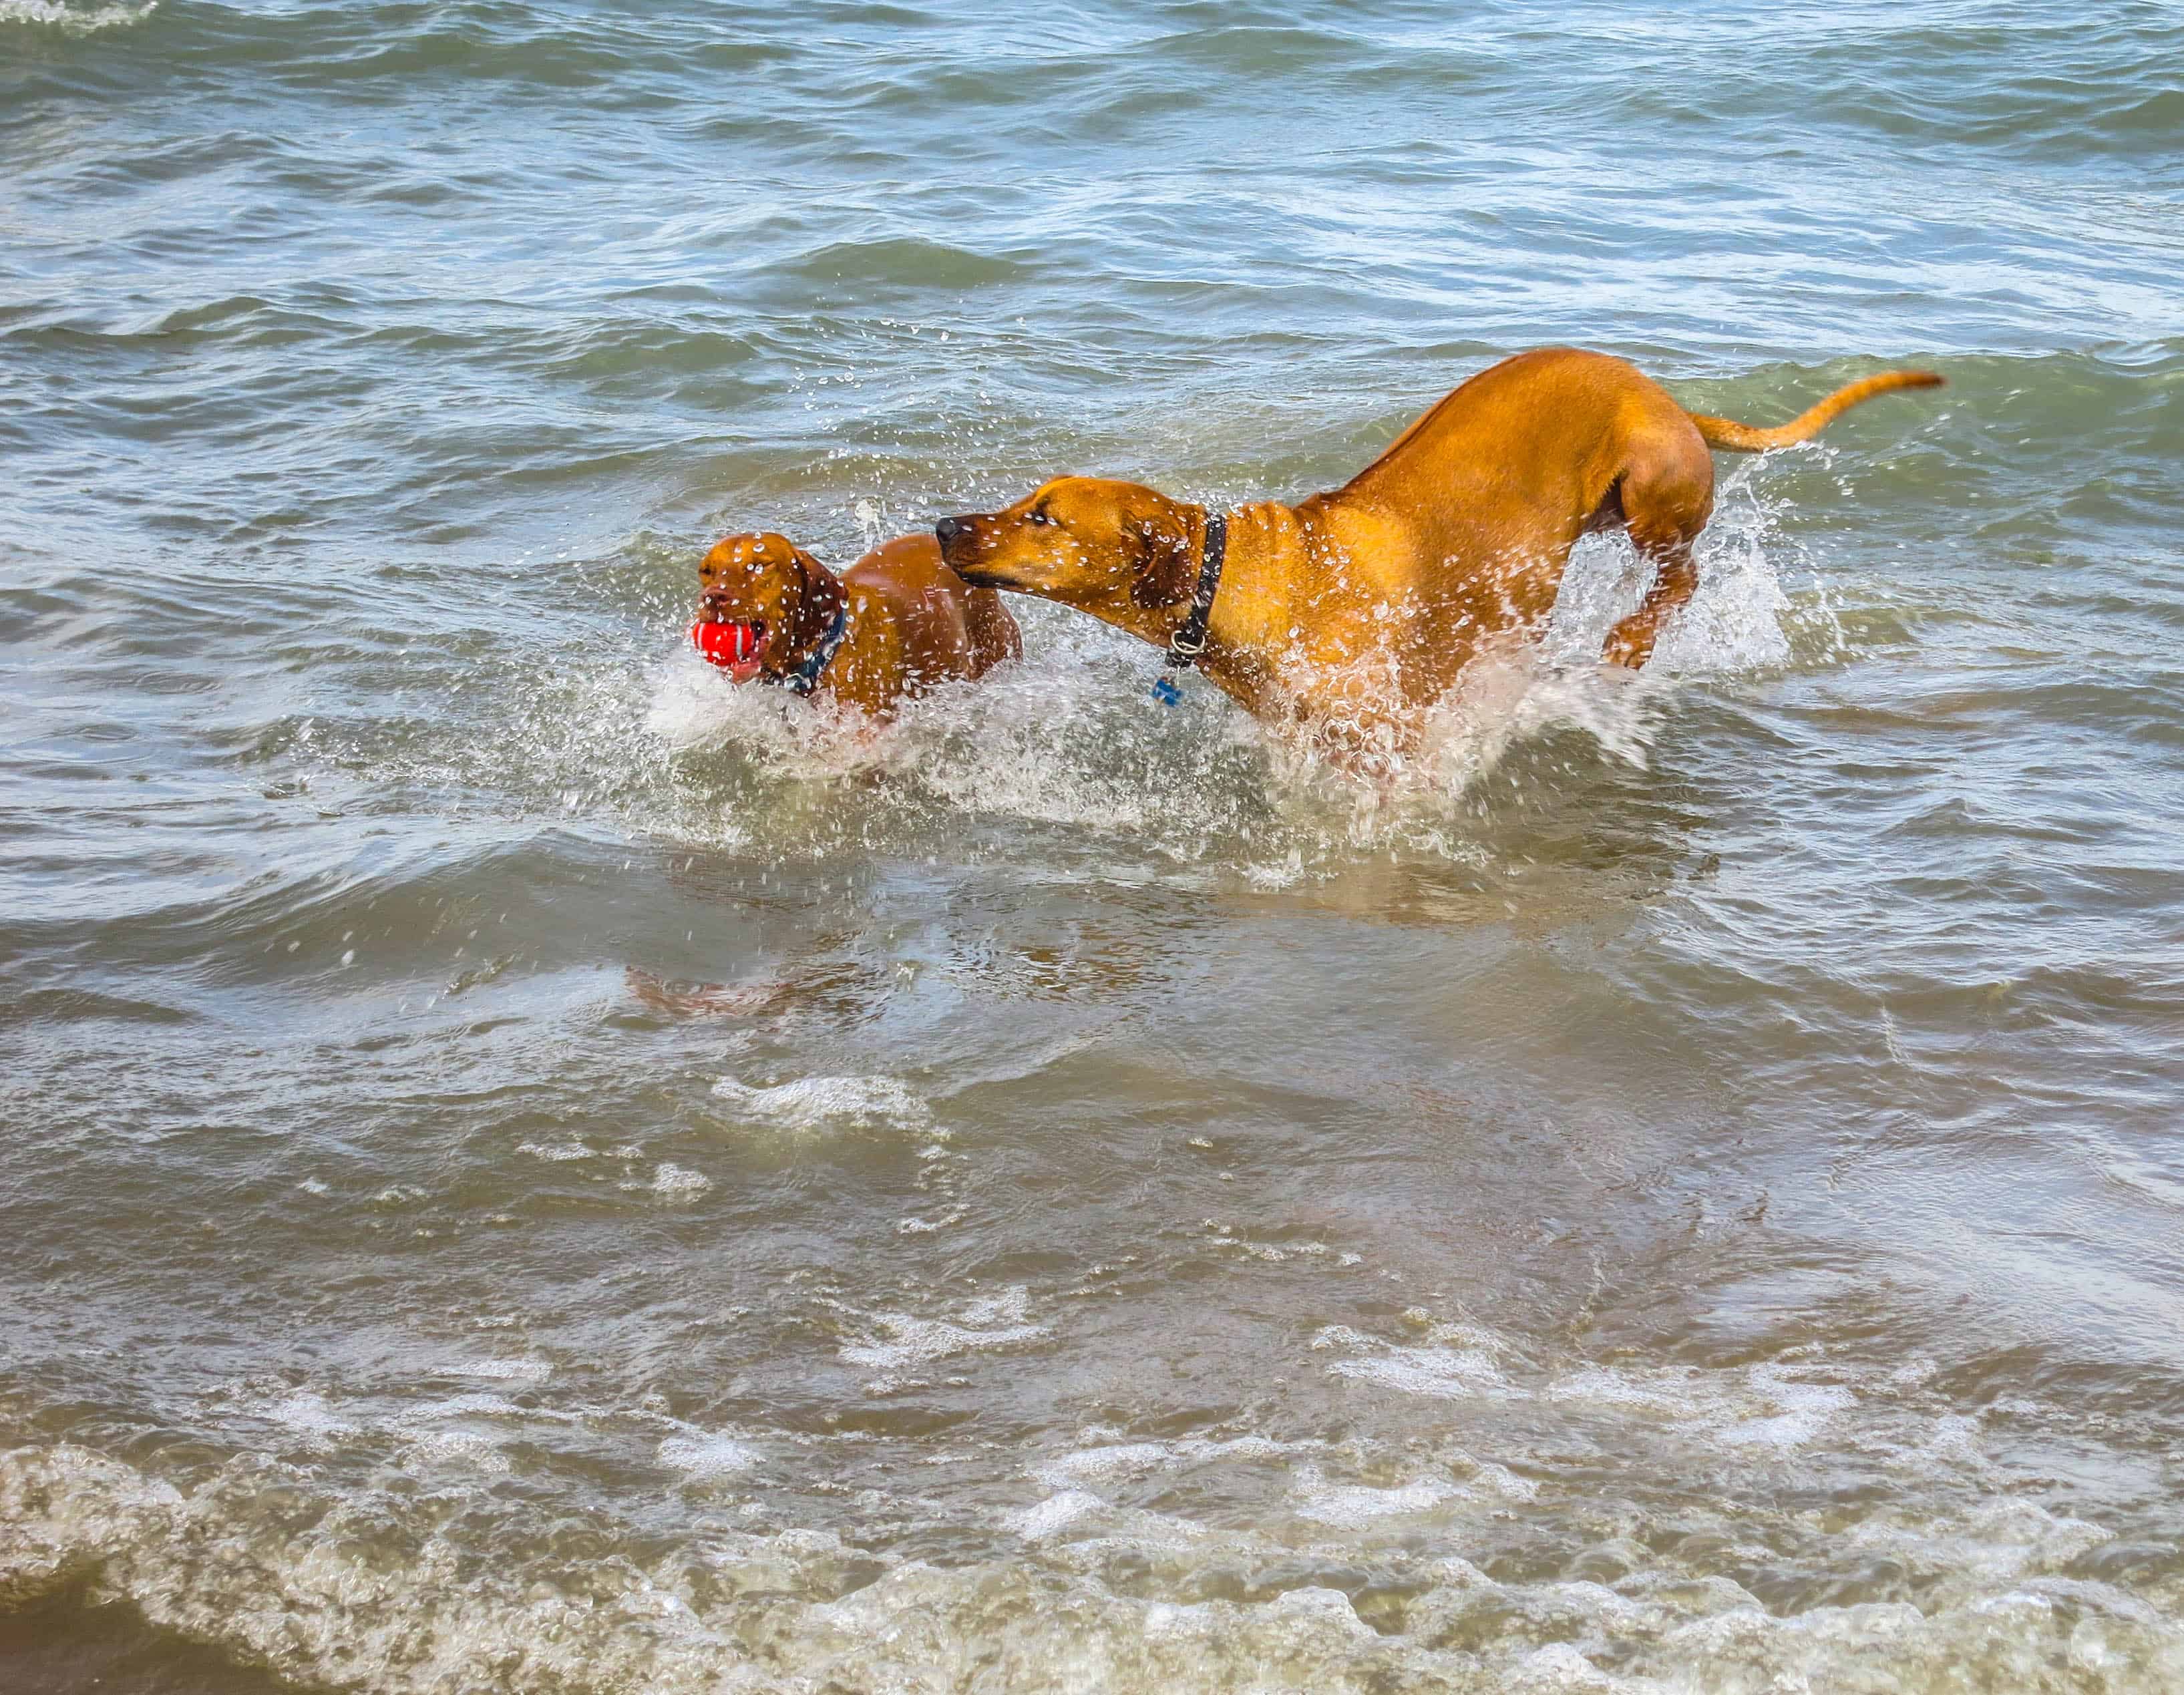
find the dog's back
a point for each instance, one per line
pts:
(949, 629)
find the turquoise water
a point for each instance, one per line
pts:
(528, 1170)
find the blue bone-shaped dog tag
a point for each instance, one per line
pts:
(1166, 692)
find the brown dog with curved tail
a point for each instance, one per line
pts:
(891, 625)
(1456, 536)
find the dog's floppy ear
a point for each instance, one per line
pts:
(814, 580)
(819, 592)
(1161, 563)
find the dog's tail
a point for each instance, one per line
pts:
(1727, 432)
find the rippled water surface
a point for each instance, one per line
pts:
(528, 1170)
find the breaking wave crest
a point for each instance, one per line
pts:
(1115, 1573)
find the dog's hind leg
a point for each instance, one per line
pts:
(1666, 502)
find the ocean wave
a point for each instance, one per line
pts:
(263, 1563)
(531, 1167)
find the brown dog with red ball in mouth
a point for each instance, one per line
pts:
(890, 626)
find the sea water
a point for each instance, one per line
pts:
(529, 1169)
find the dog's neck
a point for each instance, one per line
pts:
(1233, 658)
(1188, 641)
(819, 609)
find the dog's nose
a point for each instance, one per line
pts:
(948, 529)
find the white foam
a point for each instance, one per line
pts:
(507, 1370)
(422, 1430)
(1326, 1606)
(672, 1182)
(74, 20)
(1560, 1666)
(1002, 1321)
(1352, 1505)
(708, 1454)
(1121, 1461)
(1767, 1406)
(419, 1428)
(1608, 1386)
(1774, 1409)
(468, 1406)
(424, 1445)
(2001, 1542)
(1505, 1482)
(1055, 1513)
(309, 1415)
(556, 1153)
(831, 1103)
(1426, 1371)
(386, 1592)
(1445, 1373)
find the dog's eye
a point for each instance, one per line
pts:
(1039, 516)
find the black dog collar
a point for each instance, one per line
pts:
(1188, 641)
(805, 678)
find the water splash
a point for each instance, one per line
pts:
(1066, 739)
(637, 734)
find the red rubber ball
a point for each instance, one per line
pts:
(725, 644)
